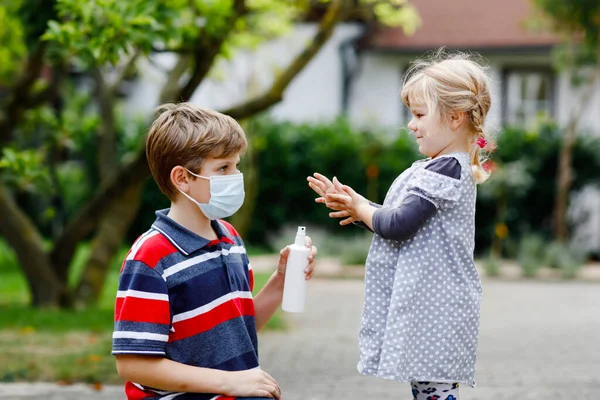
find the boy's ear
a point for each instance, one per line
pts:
(180, 178)
(457, 119)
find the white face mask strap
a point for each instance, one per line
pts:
(196, 175)
(188, 196)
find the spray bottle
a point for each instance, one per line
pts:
(294, 289)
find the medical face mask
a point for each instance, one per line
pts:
(226, 195)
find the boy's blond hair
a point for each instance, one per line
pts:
(186, 135)
(453, 83)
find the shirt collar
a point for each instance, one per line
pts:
(182, 238)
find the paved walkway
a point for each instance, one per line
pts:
(538, 341)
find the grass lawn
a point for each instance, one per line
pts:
(59, 345)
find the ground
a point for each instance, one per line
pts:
(539, 340)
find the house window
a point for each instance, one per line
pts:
(528, 96)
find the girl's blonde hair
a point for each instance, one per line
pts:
(449, 84)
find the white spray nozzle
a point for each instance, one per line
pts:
(300, 234)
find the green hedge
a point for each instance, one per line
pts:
(531, 211)
(286, 153)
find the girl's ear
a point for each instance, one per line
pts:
(457, 119)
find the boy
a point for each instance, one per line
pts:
(185, 319)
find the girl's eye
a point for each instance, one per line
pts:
(223, 168)
(419, 115)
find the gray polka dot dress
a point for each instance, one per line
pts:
(420, 319)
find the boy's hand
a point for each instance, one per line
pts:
(347, 203)
(322, 186)
(285, 252)
(251, 383)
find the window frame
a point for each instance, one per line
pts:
(546, 71)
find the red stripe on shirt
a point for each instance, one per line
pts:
(251, 276)
(231, 309)
(142, 310)
(230, 228)
(125, 260)
(224, 239)
(153, 250)
(135, 393)
(129, 252)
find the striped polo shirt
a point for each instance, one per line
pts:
(188, 299)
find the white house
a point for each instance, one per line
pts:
(359, 73)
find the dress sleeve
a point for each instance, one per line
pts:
(438, 182)
(403, 222)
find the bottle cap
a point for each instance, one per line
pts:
(300, 234)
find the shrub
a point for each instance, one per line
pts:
(568, 258)
(531, 254)
(491, 266)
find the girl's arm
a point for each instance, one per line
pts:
(398, 223)
(403, 222)
(362, 224)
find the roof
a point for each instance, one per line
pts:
(466, 24)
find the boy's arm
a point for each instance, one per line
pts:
(268, 300)
(164, 374)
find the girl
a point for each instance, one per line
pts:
(420, 319)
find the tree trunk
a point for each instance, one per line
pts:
(86, 220)
(171, 89)
(563, 184)
(107, 135)
(500, 219)
(120, 213)
(106, 243)
(564, 175)
(274, 94)
(207, 48)
(19, 99)
(20, 233)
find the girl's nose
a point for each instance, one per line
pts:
(412, 125)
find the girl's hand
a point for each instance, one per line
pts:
(347, 203)
(285, 252)
(321, 185)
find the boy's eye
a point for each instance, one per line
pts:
(419, 115)
(223, 168)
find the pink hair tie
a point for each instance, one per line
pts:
(481, 142)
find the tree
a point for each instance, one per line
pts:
(578, 23)
(48, 131)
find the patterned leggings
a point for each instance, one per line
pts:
(434, 391)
